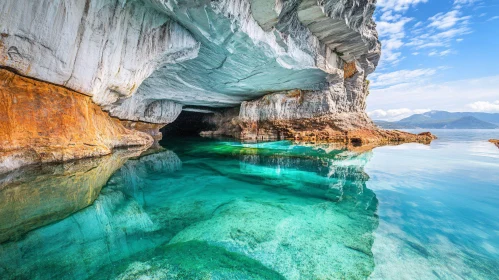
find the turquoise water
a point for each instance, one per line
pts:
(215, 209)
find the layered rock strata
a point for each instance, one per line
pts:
(41, 122)
(290, 65)
(305, 116)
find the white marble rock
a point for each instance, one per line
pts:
(143, 60)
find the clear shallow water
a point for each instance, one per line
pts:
(204, 209)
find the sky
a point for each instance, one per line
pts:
(436, 55)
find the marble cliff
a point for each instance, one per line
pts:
(80, 78)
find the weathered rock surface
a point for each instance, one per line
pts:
(144, 60)
(495, 142)
(104, 49)
(41, 122)
(286, 63)
(307, 116)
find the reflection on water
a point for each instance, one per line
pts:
(214, 210)
(39, 195)
(438, 208)
(204, 209)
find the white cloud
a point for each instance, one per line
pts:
(394, 114)
(441, 31)
(460, 3)
(446, 20)
(400, 77)
(392, 29)
(493, 18)
(438, 33)
(485, 106)
(450, 96)
(444, 53)
(392, 34)
(440, 53)
(390, 16)
(398, 5)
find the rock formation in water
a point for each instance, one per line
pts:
(495, 142)
(292, 68)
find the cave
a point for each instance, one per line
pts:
(187, 124)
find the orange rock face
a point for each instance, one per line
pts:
(349, 69)
(41, 122)
(494, 141)
(152, 129)
(327, 129)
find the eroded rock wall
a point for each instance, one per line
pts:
(41, 122)
(104, 49)
(294, 68)
(143, 60)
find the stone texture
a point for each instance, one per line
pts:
(143, 60)
(287, 64)
(282, 121)
(152, 129)
(226, 124)
(41, 122)
(346, 27)
(104, 49)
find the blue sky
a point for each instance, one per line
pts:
(436, 55)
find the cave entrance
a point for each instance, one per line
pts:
(187, 124)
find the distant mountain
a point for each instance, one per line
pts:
(445, 116)
(445, 120)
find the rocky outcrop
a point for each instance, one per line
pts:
(153, 129)
(306, 116)
(495, 142)
(41, 122)
(285, 63)
(104, 49)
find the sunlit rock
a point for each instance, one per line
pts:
(104, 49)
(495, 142)
(291, 69)
(42, 122)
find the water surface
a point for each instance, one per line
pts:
(215, 209)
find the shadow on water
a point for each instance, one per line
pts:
(203, 209)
